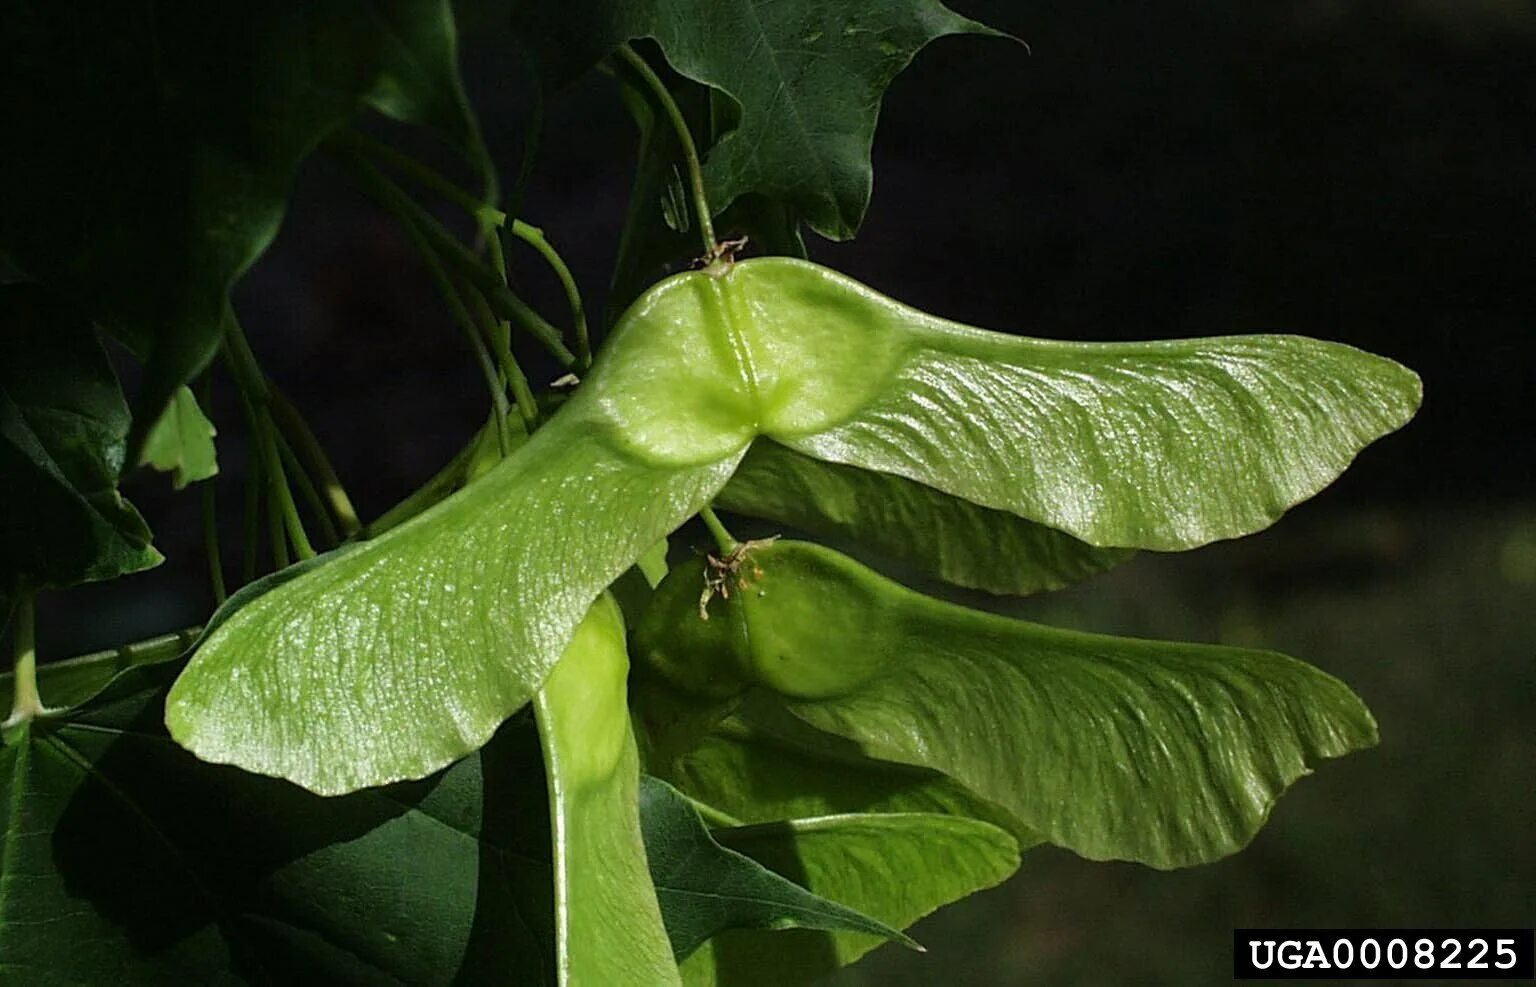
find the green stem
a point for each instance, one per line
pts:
(532, 131)
(251, 384)
(241, 360)
(500, 330)
(283, 513)
(723, 538)
(252, 518)
(211, 513)
(713, 817)
(527, 407)
(257, 474)
(215, 557)
(448, 479)
(414, 221)
(275, 535)
(534, 237)
(443, 245)
(211, 543)
(434, 491)
(292, 425)
(161, 647)
(467, 325)
(26, 704)
(483, 214)
(486, 217)
(685, 140)
(307, 490)
(284, 494)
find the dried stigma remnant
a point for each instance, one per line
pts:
(737, 565)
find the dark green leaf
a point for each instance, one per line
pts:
(63, 423)
(123, 859)
(705, 888)
(181, 442)
(903, 520)
(898, 868)
(158, 143)
(808, 79)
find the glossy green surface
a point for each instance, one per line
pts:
(896, 867)
(1163, 445)
(406, 653)
(1168, 754)
(608, 926)
(899, 519)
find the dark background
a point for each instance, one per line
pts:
(1355, 170)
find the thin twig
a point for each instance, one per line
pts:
(685, 141)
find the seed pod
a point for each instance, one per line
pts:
(771, 611)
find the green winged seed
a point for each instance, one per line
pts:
(608, 924)
(396, 658)
(902, 520)
(763, 764)
(1168, 754)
